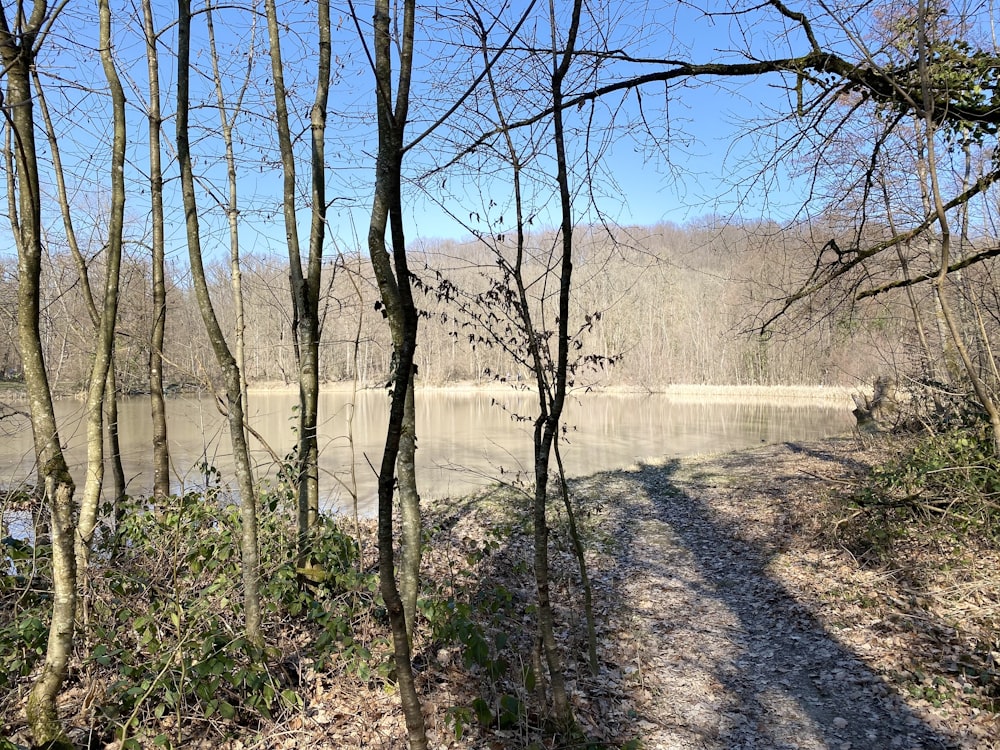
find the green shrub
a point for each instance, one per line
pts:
(165, 616)
(24, 604)
(951, 479)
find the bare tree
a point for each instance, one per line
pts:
(230, 369)
(305, 282)
(925, 50)
(100, 331)
(924, 83)
(392, 101)
(550, 410)
(20, 34)
(101, 372)
(161, 448)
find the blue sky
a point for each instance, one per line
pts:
(694, 164)
(700, 157)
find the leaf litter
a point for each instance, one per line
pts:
(730, 616)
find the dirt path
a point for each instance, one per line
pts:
(722, 629)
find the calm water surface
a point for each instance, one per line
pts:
(464, 440)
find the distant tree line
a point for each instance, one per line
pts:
(674, 304)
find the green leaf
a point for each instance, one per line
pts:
(100, 655)
(483, 714)
(510, 704)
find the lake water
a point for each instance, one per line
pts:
(464, 439)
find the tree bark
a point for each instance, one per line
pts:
(99, 374)
(114, 442)
(394, 285)
(982, 393)
(305, 285)
(161, 448)
(547, 424)
(545, 427)
(232, 215)
(227, 363)
(17, 46)
(409, 509)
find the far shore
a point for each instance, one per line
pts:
(679, 391)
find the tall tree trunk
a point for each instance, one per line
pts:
(102, 359)
(544, 429)
(394, 285)
(17, 46)
(227, 116)
(305, 285)
(227, 363)
(954, 329)
(161, 448)
(392, 274)
(547, 424)
(355, 356)
(83, 270)
(310, 322)
(99, 374)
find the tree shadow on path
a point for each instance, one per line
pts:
(725, 655)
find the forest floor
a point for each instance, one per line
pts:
(737, 608)
(734, 611)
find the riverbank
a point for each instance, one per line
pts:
(681, 391)
(786, 394)
(733, 609)
(730, 613)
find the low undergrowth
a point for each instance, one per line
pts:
(161, 659)
(927, 516)
(480, 619)
(945, 483)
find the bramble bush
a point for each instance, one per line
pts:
(952, 477)
(161, 641)
(941, 473)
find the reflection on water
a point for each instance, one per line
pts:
(464, 439)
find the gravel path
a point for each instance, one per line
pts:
(726, 620)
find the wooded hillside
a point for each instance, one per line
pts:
(671, 304)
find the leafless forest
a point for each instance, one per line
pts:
(671, 304)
